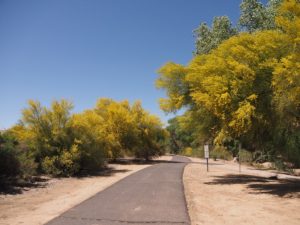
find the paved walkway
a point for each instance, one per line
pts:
(153, 195)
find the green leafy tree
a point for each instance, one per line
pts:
(208, 38)
(9, 163)
(15, 158)
(255, 16)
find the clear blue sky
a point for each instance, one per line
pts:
(82, 50)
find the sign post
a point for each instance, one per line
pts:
(240, 158)
(206, 155)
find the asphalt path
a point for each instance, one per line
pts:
(154, 195)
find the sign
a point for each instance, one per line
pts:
(206, 151)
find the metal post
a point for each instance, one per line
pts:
(207, 164)
(206, 155)
(240, 168)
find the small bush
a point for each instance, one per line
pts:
(9, 161)
(50, 165)
(66, 164)
(28, 166)
(220, 152)
(283, 166)
(93, 159)
(198, 152)
(188, 151)
(245, 156)
(193, 152)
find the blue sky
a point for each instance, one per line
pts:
(83, 50)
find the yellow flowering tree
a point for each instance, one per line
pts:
(246, 84)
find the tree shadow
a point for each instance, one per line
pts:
(130, 161)
(165, 161)
(104, 172)
(260, 185)
(209, 164)
(140, 161)
(14, 186)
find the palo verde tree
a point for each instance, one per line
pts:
(240, 85)
(48, 133)
(65, 144)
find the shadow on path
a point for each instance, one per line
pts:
(142, 161)
(14, 186)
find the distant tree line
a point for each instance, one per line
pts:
(242, 87)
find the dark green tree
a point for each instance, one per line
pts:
(208, 38)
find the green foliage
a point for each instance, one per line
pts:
(187, 151)
(14, 158)
(219, 152)
(230, 93)
(208, 38)
(179, 136)
(9, 163)
(252, 15)
(245, 156)
(65, 144)
(149, 133)
(93, 141)
(172, 80)
(192, 152)
(192, 129)
(64, 164)
(255, 16)
(198, 152)
(286, 85)
(51, 136)
(28, 166)
(247, 89)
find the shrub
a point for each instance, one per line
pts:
(9, 161)
(93, 158)
(193, 152)
(220, 152)
(15, 157)
(198, 152)
(50, 165)
(63, 144)
(245, 156)
(292, 147)
(28, 167)
(188, 151)
(65, 164)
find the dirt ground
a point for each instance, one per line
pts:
(37, 205)
(225, 196)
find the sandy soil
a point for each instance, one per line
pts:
(35, 206)
(225, 196)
